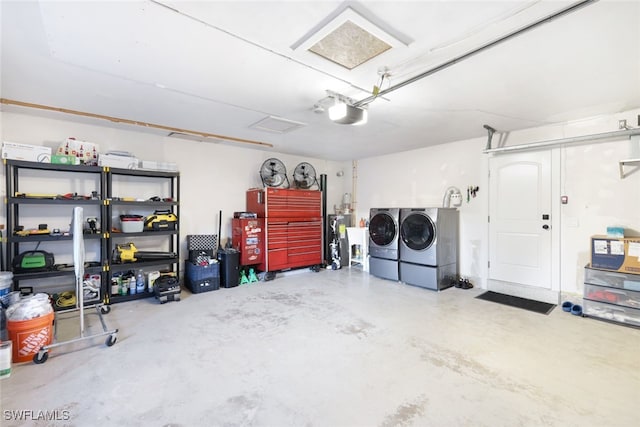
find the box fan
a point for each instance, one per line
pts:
(274, 174)
(304, 176)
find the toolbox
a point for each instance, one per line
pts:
(248, 239)
(167, 288)
(202, 278)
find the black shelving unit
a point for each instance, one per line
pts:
(117, 204)
(19, 204)
(106, 204)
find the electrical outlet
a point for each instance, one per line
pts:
(622, 124)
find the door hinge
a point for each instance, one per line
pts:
(488, 218)
(488, 264)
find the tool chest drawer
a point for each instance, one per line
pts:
(277, 235)
(612, 295)
(300, 258)
(277, 259)
(616, 313)
(284, 203)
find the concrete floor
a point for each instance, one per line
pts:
(335, 348)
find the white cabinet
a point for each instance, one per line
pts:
(358, 238)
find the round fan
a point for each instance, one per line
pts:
(273, 173)
(304, 176)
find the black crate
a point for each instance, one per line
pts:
(202, 278)
(204, 285)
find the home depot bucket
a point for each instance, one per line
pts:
(28, 336)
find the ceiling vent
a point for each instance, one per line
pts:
(351, 36)
(277, 125)
(349, 45)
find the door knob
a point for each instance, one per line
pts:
(546, 227)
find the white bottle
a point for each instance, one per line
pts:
(140, 282)
(132, 286)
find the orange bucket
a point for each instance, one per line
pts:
(28, 336)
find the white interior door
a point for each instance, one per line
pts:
(520, 220)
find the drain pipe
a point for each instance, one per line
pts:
(354, 193)
(515, 33)
(323, 195)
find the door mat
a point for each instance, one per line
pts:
(526, 304)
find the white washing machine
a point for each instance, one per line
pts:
(428, 247)
(384, 230)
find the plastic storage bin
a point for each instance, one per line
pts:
(610, 295)
(612, 312)
(131, 223)
(612, 278)
(202, 278)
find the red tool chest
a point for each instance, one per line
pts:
(293, 220)
(247, 236)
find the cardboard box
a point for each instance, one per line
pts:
(616, 254)
(30, 153)
(158, 166)
(86, 152)
(117, 161)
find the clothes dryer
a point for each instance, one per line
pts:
(428, 247)
(383, 242)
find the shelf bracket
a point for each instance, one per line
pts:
(628, 162)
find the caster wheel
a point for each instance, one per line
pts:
(105, 309)
(40, 357)
(111, 340)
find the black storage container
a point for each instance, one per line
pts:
(202, 278)
(229, 260)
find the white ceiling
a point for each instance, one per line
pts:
(219, 67)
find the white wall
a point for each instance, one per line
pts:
(588, 175)
(214, 176)
(420, 178)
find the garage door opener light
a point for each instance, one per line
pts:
(347, 114)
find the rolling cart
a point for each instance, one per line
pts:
(78, 259)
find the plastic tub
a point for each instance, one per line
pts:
(131, 223)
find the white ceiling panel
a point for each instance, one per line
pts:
(221, 66)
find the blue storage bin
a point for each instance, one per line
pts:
(202, 278)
